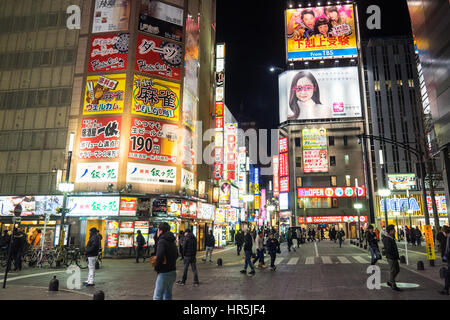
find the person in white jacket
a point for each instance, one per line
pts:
(259, 250)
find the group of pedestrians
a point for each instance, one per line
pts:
(413, 235)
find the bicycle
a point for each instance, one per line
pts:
(81, 259)
(45, 256)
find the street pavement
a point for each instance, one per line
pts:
(319, 270)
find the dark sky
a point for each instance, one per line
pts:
(253, 31)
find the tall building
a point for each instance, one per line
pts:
(395, 112)
(128, 89)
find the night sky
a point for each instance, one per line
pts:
(253, 31)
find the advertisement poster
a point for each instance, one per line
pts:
(127, 206)
(151, 174)
(325, 93)
(159, 207)
(220, 215)
(190, 103)
(7, 205)
(97, 172)
(161, 19)
(156, 98)
(126, 240)
(100, 138)
(225, 192)
(315, 150)
(242, 176)
(104, 94)
(320, 32)
(46, 204)
(187, 179)
(144, 205)
(158, 57)
(93, 206)
(205, 211)
(405, 181)
(126, 227)
(174, 207)
(231, 150)
(330, 192)
(284, 201)
(283, 159)
(153, 140)
(112, 240)
(111, 15)
(284, 184)
(276, 186)
(108, 53)
(187, 150)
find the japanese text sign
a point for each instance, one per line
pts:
(108, 53)
(100, 138)
(104, 94)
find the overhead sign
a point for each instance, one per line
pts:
(320, 32)
(108, 53)
(405, 181)
(330, 192)
(151, 174)
(323, 93)
(100, 138)
(104, 94)
(97, 172)
(331, 219)
(414, 203)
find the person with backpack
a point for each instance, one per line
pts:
(273, 246)
(189, 257)
(165, 264)
(340, 235)
(140, 241)
(239, 239)
(209, 244)
(92, 249)
(372, 241)
(392, 256)
(248, 244)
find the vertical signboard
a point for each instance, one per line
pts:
(276, 185)
(283, 159)
(242, 169)
(231, 148)
(256, 188)
(315, 150)
(218, 114)
(100, 138)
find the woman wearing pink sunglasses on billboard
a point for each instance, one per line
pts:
(304, 98)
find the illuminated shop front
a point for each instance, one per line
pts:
(347, 223)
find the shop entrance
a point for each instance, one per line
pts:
(99, 225)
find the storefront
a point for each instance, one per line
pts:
(347, 223)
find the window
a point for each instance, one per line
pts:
(46, 58)
(315, 203)
(346, 159)
(345, 140)
(331, 140)
(297, 142)
(298, 162)
(332, 160)
(335, 203)
(299, 182)
(70, 56)
(333, 181)
(53, 20)
(347, 181)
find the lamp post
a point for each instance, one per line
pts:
(385, 193)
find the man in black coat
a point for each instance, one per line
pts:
(239, 239)
(372, 240)
(18, 247)
(418, 234)
(92, 249)
(412, 236)
(189, 257)
(209, 245)
(165, 265)
(442, 239)
(392, 256)
(248, 244)
(140, 241)
(446, 258)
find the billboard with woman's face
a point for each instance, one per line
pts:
(320, 32)
(326, 93)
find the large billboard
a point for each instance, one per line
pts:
(151, 174)
(104, 94)
(402, 181)
(315, 150)
(111, 16)
(108, 52)
(320, 32)
(325, 93)
(100, 138)
(92, 172)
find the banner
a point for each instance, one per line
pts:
(315, 150)
(187, 148)
(109, 53)
(97, 172)
(225, 192)
(242, 176)
(332, 219)
(104, 94)
(127, 206)
(276, 185)
(158, 57)
(404, 181)
(111, 15)
(151, 174)
(93, 206)
(330, 192)
(231, 150)
(320, 32)
(100, 138)
(324, 93)
(429, 242)
(153, 140)
(161, 20)
(7, 205)
(187, 179)
(156, 98)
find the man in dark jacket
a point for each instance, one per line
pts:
(392, 256)
(92, 249)
(372, 240)
(442, 239)
(18, 247)
(189, 257)
(180, 243)
(248, 244)
(239, 239)
(446, 258)
(209, 244)
(340, 235)
(4, 241)
(165, 265)
(140, 241)
(412, 236)
(418, 234)
(272, 245)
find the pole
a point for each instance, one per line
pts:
(359, 220)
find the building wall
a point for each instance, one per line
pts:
(37, 62)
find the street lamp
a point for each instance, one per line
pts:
(385, 193)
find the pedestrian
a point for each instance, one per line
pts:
(140, 241)
(412, 235)
(18, 246)
(273, 246)
(333, 234)
(309, 234)
(418, 234)
(180, 243)
(377, 232)
(4, 241)
(165, 265)
(239, 239)
(259, 250)
(407, 234)
(372, 241)
(92, 249)
(313, 234)
(340, 235)
(209, 244)
(322, 233)
(442, 239)
(392, 256)
(248, 244)
(299, 236)
(446, 258)
(254, 234)
(289, 240)
(189, 257)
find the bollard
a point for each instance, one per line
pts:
(402, 259)
(54, 284)
(420, 265)
(99, 295)
(219, 262)
(442, 272)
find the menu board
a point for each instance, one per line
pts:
(125, 240)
